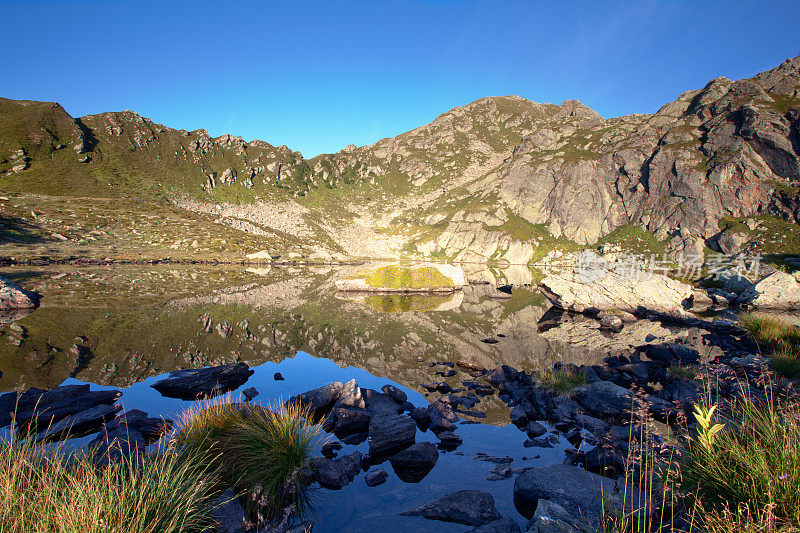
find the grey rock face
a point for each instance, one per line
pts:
(470, 507)
(607, 289)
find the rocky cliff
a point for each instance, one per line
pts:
(500, 178)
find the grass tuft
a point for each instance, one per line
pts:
(562, 379)
(57, 490)
(779, 337)
(260, 452)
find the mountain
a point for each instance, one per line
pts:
(502, 178)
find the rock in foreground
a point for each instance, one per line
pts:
(470, 507)
(777, 290)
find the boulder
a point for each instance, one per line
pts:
(319, 400)
(336, 473)
(394, 393)
(46, 407)
(12, 296)
(79, 424)
(552, 518)
(193, 384)
(389, 433)
(606, 289)
(263, 255)
(470, 507)
(777, 290)
(376, 477)
(604, 398)
(415, 462)
(580, 493)
(130, 432)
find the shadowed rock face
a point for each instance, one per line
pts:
(497, 178)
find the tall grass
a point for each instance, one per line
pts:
(779, 337)
(47, 490)
(750, 474)
(561, 379)
(258, 451)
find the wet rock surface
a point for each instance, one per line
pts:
(470, 507)
(193, 384)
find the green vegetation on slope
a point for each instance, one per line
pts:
(402, 277)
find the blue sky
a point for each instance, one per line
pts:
(317, 76)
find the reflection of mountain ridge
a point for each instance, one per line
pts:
(268, 318)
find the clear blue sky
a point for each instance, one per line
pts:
(317, 76)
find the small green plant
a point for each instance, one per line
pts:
(684, 372)
(706, 431)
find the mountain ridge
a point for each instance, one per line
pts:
(499, 178)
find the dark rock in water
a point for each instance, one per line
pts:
(329, 449)
(535, 429)
(350, 420)
(355, 438)
(490, 341)
(415, 462)
(45, 407)
(422, 417)
(466, 401)
(320, 400)
(193, 384)
(504, 525)
(228, 513)
(278, 376)
(447, 373)
(470, 507)
(394, 393)
(79, 424)
(130, 432)
(350, 396)
(250, 393)
(579, 492)
(504, 288)
(390, 433)
(376, 477)
(605, 461)
(518, 416)
(380, 404)
(443, 418)
(604, 398)
(449, 439)
(336, 473)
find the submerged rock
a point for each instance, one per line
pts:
(470, 507)
(415, 462)
(336, 473)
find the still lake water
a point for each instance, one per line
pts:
(125, 327)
